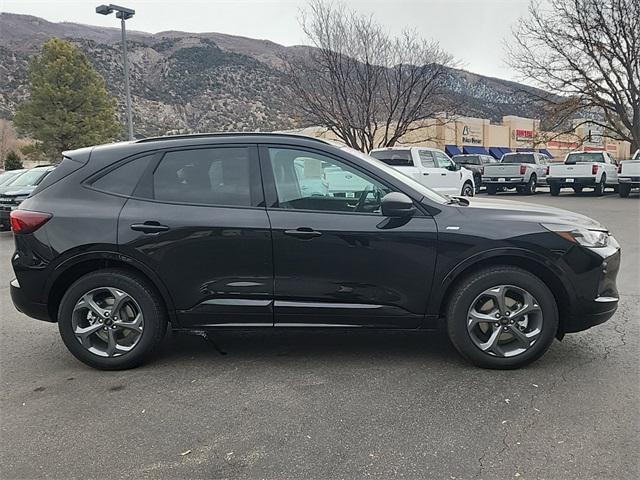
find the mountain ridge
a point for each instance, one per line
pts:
(182, 81)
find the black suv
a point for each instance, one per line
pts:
(274, 230)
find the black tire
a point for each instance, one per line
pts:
(477, 179)
(491, 189)
(138, 288)
(624, 189)
(577, 189)
(468, 289)
(467, 190)
(554, 190)
(530, 187)
(599, 188)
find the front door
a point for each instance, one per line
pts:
(198, 219)
(337, 260)
(448, 174)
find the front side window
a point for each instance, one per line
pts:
(207, 176)
(442, 160)
(310, 181)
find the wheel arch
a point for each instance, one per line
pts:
(547, 272)
(70, 270)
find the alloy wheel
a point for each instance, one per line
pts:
(107, 321)
(504, 321)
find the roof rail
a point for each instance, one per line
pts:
(228, 134)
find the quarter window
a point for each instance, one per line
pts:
(310, 181)
(209, 176)
(123, 179)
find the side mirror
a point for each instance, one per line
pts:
(397, 204)
(454, 167)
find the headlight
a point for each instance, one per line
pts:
(582, 236)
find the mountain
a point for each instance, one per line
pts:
(194, 82)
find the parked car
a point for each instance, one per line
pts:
(431, 167)
(18, 189)
(207, 232)
(7, 176)
(523, 171)
(629, 175)
(580, 170)
(476, 164)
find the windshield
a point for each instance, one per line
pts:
(467, 159)
(6, 177)
(518, 158)
(30, 177)
(418, 187)
(395, 158)
(584, 157)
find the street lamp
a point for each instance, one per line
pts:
(123, 14)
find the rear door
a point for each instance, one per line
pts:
(198, 219)
(431, 174)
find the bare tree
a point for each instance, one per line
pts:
(364, 85)
(588, 51)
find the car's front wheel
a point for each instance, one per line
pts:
(467, 190)
(112, 319)
(502, 317)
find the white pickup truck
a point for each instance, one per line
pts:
(629, 175)
(523, 171)
(580, 170)
(429, 166)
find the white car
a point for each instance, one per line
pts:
(595, 170)
(429, 166)
(629, 175)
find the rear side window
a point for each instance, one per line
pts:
(395, 158)
(123, 179)
(426, 159)
(209, 176)
(66, 167)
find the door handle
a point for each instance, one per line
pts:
(149, 227)
(425, 173)
(304, 233)
(443, 174)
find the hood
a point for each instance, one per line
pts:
(522, 211)
(16, 191)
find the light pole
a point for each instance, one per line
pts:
(123, 14)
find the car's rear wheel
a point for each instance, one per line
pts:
(599, 188)
(491, 189)
(502, 317)
(624, 189)
(112, 319)
(467, 190)
(554, 190)
(530, 187)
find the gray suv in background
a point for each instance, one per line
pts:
(476, 164)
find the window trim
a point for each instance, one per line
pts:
(271, 193)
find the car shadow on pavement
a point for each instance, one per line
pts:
(310, 343)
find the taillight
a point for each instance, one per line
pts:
(24, 221)
(523, 169)
(594, 169)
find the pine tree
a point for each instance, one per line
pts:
(13, 161)
(69, 106)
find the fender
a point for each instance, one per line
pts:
(101, 254)
(453, 274)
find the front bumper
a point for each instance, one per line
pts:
(594, 309)
(27, 306)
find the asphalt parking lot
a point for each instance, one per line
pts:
(321, 405)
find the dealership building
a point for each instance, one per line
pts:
(455, 135)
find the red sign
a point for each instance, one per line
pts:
(521, 134)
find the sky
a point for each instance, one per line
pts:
(474, 31)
